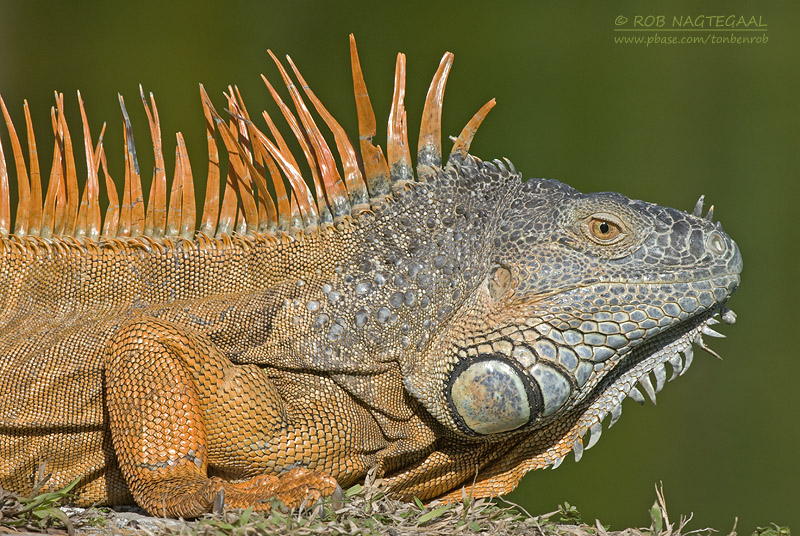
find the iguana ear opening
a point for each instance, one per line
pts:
(489, 396)
(499, 282)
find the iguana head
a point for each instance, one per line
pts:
(576, 302)
(582, 297)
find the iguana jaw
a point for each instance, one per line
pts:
(643, 369)
(578, 348)
(548, 446)
(633, 339)
(538, 450)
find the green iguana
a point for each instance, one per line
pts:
(450, 325)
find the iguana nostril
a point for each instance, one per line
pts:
(715, 243)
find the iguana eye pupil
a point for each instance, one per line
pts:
(604, 227)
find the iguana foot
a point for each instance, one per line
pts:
(299, 487)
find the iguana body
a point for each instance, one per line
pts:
(455, 329)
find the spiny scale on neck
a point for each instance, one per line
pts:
(258, 165)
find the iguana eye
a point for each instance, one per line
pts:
(605, 229)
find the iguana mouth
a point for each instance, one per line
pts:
(643, 369)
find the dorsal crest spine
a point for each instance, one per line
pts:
(264, 193)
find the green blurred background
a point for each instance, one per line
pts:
(660, 123)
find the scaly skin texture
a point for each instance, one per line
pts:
(464, 330)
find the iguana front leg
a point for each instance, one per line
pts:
(170, 394)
